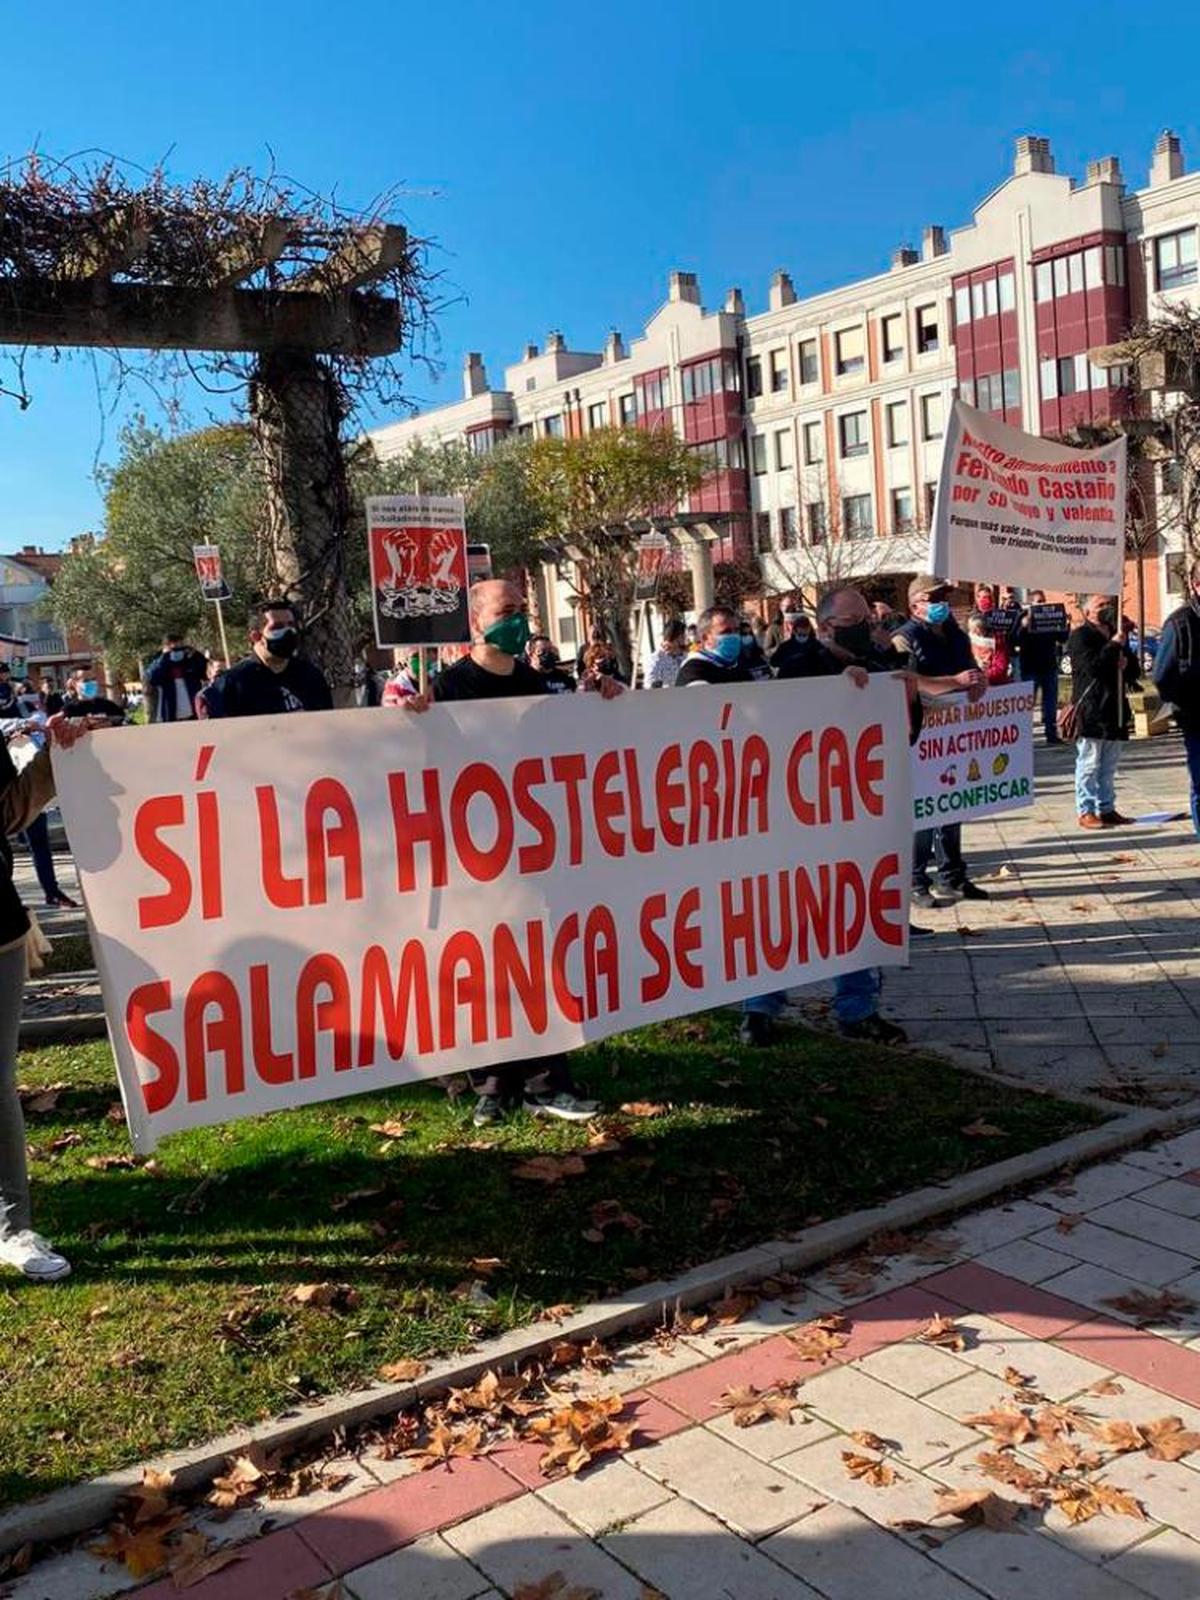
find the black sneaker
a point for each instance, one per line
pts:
(874, 1030)
(968, 891)
(925, 899)
(489, 1110)
(757, 1029)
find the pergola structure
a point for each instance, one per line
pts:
(290, 297)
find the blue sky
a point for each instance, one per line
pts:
(566, 157)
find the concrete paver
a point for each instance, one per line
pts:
(748, 1495)
(527, 1542)
(847, 1557)
(685, 1555)
(1134, 1258)
(429, 1568)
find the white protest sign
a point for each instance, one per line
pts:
(1014, 508)
(974, 760)
(298, 908)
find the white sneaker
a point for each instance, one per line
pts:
(30, 1254)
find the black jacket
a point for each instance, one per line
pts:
(163, 673)
(932, 653)
(1177, 665)
(251, 690)
(1098, 684)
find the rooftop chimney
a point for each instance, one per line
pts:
(683, 286)
(782, 292)
(906, 256)
(474, 376)
(555, 341)
(1106, 170)
(531, 352)
(933, 242)
(1033, 155)
(734, 303)
(614, 348)
(1168, 159)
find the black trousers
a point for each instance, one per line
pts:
(945, 845)
(509, 1081)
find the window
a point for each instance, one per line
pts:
(758, 453)
(720, 455)
(897, 422)
(927, 329)
(530, 385)
(849, 351)
(817, 522)
(525, 430)
(1175, 259)
(931, 416)
(1093, 268)
(598, 415)
(1075, 272)
(852, 429)
(753, 377)
(552, 427)
(809, 369)
(856, 516)
(1043, 281)
(627, 409)
(903, 520)
(814, 443)
(1007, 289)
(962, 304)
(703, 378)
(1060, 275)
(966, 390)
(762, 532)
(779, 372)
(893, 337)
(1172, 477)
(1012, 389)
(1114, 262)
(787, 527)
(783, 449)
(984, 298)
(989, 394)
(654, 393)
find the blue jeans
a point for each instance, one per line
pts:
(944, 844)
(37, 837)
(1045, 683)
(1096, 775)
(1191, 743)
(855, 997)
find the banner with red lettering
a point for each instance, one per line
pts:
(297, 908)
(1018, 509)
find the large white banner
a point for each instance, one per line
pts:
(974, 760)
(295, 908)
(1014, 508)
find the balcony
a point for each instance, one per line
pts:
(45, 643)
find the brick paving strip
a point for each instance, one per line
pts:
(700, 1507)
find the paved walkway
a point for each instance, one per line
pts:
(1082, 971)
(702, 1509)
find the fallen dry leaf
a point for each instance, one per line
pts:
(484, 1266)
(979, 1506)
(1058, 1455)
(1167, 1439)
(869, 1440)
(1080, 1502)
(817, 1340)
(554, 1587)
(877, 1473)
(982, 1130)
(244, 1479)
(550, 1169)
(393, 1128)
(41, 1100)
(1166, 1306)
(1068, 1222)
(1106, 1386)
(1007, 1469)
(732, 1308)
(644, 1108)
(1052, 1421)
(557, 1313)
(748, 1405)
(1005, 1426)
(116, 1163)
(403, 1371)
(1122, 1437)
(193, 1561)
(325, 1296)
(941, 1331)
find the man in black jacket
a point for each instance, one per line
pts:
(719, 659)
(1039, 650)
(936, 647)
(177, 676)
(1177, 679)
(1102, 666)
(272, 678)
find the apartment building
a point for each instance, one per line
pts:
(821, 418)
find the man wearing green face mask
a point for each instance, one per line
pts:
(495, 669)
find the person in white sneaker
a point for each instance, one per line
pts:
(22, 797)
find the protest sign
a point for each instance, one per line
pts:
(974, 760)
(419, 579)
(207, 558)
(308, 907)
(479, 562)
(1014, 508)
(651, 558)
(1048, 618)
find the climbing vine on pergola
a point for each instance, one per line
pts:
(245, 282)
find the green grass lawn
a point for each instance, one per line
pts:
(179, 1319)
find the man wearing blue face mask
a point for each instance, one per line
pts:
(177, 675)
(936, 647)
(272, 678)
(719, 658)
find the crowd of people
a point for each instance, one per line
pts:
(1004, 638)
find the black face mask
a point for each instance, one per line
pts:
(282, 642)
(855, 638)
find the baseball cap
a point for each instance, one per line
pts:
(925, 584)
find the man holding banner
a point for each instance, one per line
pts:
(1102, 667)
